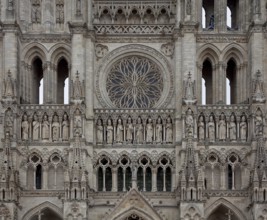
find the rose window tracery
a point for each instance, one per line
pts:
(134, 82)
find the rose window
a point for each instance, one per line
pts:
(134, 82)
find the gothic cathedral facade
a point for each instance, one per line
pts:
(133, 109)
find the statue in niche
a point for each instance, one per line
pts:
(257, 6)
(188, 7)
(149, 131)
(99, 131)
(77, 122)
(189, 123)
(65, 128)
(36, 11)
(189, 91)
(159, 131)
(232, 128)
(45, 128)
(55, 129)
(60, 12)
(201, 128)
(169, 131)
(139, 131)
(109, 132)
(9, 121)
(211, 23)
(129, 130)
(243, 129)
(77, 88)
(78, 7)
(25, 128)
(258, 91)
(258, 123)
(10, 6)
(119, 133)
(9, 85)
(35, 128)
(222, 128)
(211, 129)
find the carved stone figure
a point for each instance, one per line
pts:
(101, 50)
(258, 123)
(169, 131)
(77, 88)
(77, 122)
(9, 122)
(55, 129)
(99, 131)
(188, 7)
(149, 131)
(222, 128)
(9, 85)
(65, 128)
(60, 12)
(78, 7)
(232, 128)
(25, 128)
(129, 130)
(189, 123)
(159, 130)
(211, 129)
(189, 91)
(258, 91)
(109, 132)
(36, 11)
(243, 129)
(45, 128)
(10, 6)
(35, 128)
(119, 132)
(139, 131)
(201, 129)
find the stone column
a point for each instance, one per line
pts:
(114, 180)
(199, 83)
(50, 83)
(154, 179)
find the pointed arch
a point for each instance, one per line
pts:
(136, 211)
(227, 204)
(41, 207)
(208, 51)
(33, 50)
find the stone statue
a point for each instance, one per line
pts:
(60, 12)
(258, 91)
(9, 121)
(129, 130)
(10, 6)
(232, 128)
(9, 86)
(45, 128)
(149, 131)
(243, 129)
(258, 123)
(169, 131)
(188, 7)
(189, 91)
(159, 131)
(119, 133)
(25, 128)
(139, 131)
(55, 129)
(211, 129)
(77, 122)
(211, 23)
(222, 128)
(189, 123)
(109, 132)
(36, 11)
(99, 131)
(77, 88)
(35, 128)
(201, 129)
(78, 7)
(65, 128)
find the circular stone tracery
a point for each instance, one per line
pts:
(134, 82)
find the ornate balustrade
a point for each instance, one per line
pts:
(116, 127)
(43, 123)
(218, 123)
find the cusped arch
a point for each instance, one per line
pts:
(227, 204)
(234, 52)
(60, 51)
(41, 207)
(208, 52)
(33, 51)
